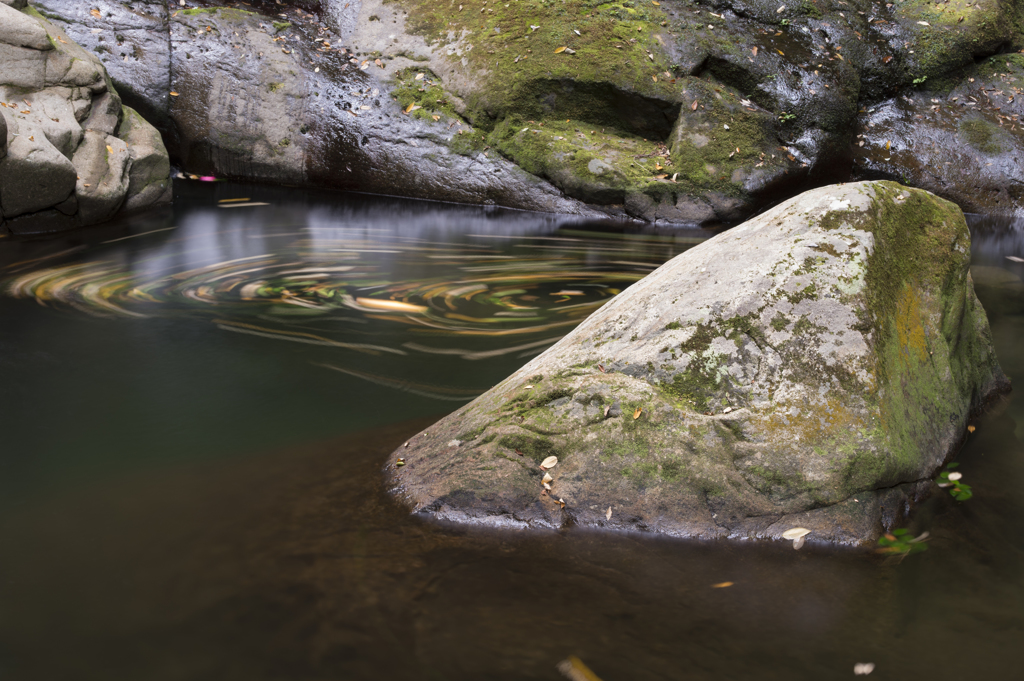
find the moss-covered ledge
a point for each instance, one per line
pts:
(814, 366)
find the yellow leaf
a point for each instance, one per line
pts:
(560, 49)
(970, 429)
(654, 78)
(94, 12)
(174, 94)
(110, 149)
(637, 412)
(887, 145)
(436, 118)
(412, 107)
(658, 166)
(721, 585)
(390, 305)
(781, 52)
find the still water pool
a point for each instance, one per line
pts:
(198, 402)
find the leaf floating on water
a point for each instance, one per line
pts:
(549, 462)
(721, 585)
(971, 429)
(795, 533)
(608, 514)
(573, 668)
(390, 305)
(637, 412)
(559, 49)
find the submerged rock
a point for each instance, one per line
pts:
(812, 367)
(69, 147)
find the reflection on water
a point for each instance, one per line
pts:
(433, 282)
(295, 564)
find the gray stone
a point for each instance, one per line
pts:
(22, 66)
(105, 113)
(102, 162)
(34, 175)
(149, 179)
(133, 43)
(21, 30)
(43, 222)
(812, 367)
(16, 4)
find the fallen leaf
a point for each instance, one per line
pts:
(721, 585)
(693, 107)
(436, 117)
(726, 126)
(971, 429)
(781, 52)
(412, 107)
(378, 62)
(607, 408)
(863, 668)
(658, 166)
(654, 78)
(94, 12)
(637, 412)
(576, 32)
(110, 149)
(924, 23)
(601, 367)
(781, 9)
(547, 478)
(559, 49)
(887, 144)
(887, 59)
(549, 462)
(400, 462)
(754, 50)
(174, 94)
(561, 503)
(419, 76)
(795, 533)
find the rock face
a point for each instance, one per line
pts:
(679, 112)
(811, 367)
(67, 156)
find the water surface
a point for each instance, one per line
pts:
(198, 404)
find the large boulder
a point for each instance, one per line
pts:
(67, 155)
(811, 367)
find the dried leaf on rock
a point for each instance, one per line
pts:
(721, 585)
(637, 412)
(549, 462)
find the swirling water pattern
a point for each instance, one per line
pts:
(453, 287)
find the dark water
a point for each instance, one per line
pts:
(195, 418)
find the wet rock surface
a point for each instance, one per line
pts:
(812, 367)
(696, 112)
(65, 162)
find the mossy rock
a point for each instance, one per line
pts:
(814, 366)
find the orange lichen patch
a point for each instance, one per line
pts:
(910, 326)
(828, 422)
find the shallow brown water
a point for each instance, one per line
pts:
(256, 559)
